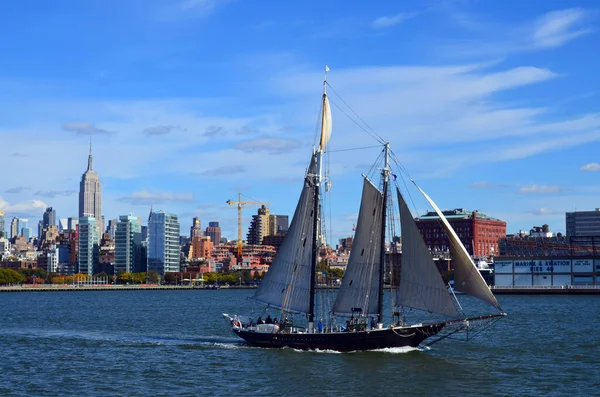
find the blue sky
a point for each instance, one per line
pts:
(491, 106)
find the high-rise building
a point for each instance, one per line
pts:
(259, 226)
(278, 225)
(24, 229)
(14, 227)
(214, 232)
(72, 223)
(49, 218)
(90, 196)
(196, 229)
(112, 228)
(88, 245)
(2, 224)
(163, 245)
(63, 224)
(583, 223)
(128, 244)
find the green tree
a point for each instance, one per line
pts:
(9, 276)
(152, 277)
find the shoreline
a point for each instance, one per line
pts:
(570, 290)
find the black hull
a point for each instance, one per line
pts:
(343, 341)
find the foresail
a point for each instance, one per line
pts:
(287, 283)
(325, 123)
(467, 278)
(421, 286)
(360, 284)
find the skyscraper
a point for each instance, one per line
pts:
(214, 232)
(196, 229)
(2, 224)
(90, 196)
(72, 223)
(163, 245)
(128, 244)
(14, 227)
(583, 223)
(49, 218)
(88, 245)
(24, 228)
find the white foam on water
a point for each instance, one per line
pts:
(397, 350)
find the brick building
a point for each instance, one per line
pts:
(478, 232)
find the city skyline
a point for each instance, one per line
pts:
(493, 103)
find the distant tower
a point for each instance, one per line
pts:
(88, 245)
(196, 229)
(14, 227)
(163, 244)
(128, 239)
(49, 218)
(90, 196)
(2, 224)
(214, 232)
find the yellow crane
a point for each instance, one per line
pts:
(240, 204)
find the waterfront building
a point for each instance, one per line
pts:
(163, 244)
(196, 229)
(14, 227)
(49, 218)
(52, 259)
(128, 237)
(214, 232)
(583, 223)
(90, 196)
(2, 224)
(478, 232)
(200, 247)
(88, 245)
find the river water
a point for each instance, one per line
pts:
(176, 343)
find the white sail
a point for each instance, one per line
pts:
(467, 278)
(325, 123)
(360, 285)
(287, 283)
(421, 286)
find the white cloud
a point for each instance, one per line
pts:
(84, 129)
(491, 38)
(144, 197)
(543, 189)
(556, 28)
(159, 130)
(389, 21)
(226, 170)
(268, 144)
(544, 212)
(27, 208)
(593, 167)
(488, 185)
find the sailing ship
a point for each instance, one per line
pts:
(356, 319)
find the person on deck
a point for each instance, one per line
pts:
(320, 326)
(269, 320)
(260, 320)
(373, 323)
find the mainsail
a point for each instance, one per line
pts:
(360, 284)
(287, 283)
(325, 123)
(467, 278)
(421, 286)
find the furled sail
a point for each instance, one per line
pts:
(421, 286)
(325, 123)
(360, 285)
(467, 278)
(287, 283)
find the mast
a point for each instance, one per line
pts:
(325, 133)
(385, 173)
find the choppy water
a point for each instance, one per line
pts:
(170, 343)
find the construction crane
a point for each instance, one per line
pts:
(240, 204)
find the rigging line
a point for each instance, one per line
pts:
(374, 136)
(356, 148)
(356, 114)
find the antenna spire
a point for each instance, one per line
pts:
(90, 164)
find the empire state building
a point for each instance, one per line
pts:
(90, 196)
